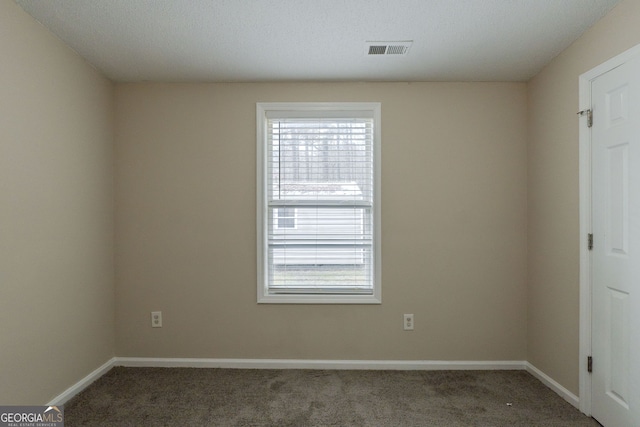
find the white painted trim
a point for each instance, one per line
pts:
(553, 385)
(381, 365)
(584, 157)
(305, 109)
(405, 365)
(585, 103)
(612, 63)
(85, 382)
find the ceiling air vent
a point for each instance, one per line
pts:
(387, 48)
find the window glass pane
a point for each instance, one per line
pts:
(323, 159)
(286, 218)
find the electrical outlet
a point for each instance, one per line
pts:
(408, 322)
(156, 319)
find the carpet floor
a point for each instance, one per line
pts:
(245, 397)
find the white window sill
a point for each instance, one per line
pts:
(319, 299)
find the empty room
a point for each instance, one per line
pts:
(320, 213)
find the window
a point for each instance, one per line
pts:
(318, 202)
(286, 218)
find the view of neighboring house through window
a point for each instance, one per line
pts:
(318, 206)
(286, 217)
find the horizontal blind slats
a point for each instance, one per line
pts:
(320, 203)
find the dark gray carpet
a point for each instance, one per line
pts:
(245, 397)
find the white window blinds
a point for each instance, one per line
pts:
(319, 202)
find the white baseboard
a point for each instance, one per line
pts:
(553, 385)
(405, 365)
(402, 365)
(64, 397)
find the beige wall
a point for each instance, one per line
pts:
(453, 225)
(475, 176)
(56, 213)
(553, 229)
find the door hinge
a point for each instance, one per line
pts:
(589, 364)
(589, 114)
(590, 241)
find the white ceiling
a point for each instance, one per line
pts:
(319, 40)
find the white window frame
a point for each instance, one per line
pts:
(262, 209)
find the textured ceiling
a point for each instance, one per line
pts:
(318, 40)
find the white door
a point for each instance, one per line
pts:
(615, 386)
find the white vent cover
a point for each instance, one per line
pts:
(394, 48)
